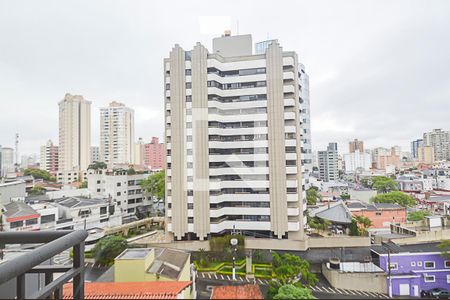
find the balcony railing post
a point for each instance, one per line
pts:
(57, 294)
(48, 279)
(20, 286)
(78, 262)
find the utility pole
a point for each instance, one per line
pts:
(386, 246)
(17, 152)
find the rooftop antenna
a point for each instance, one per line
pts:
(17, 152)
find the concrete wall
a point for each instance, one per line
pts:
(183, 245)
(12, 190)
(275, 244)
(369, 282)
(129, 270)
(425, 236)
(339, 241)
(363, 196)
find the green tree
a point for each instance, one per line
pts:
(319, 224)
(354, 230)
(131, 171)
(445, 248)
(97, 165)
(395, 197)
(108, 248)
(366, 182)
(384, 184)
(155, 185)
(36, 191)
(39, 174)
(289, 269)
(345, 196)
(290, 291)
(313, 195)
(363, 224)
(83, 185)
(418, 215)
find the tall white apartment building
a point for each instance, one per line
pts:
(7, 161)
(74, 133)
(49, 157)
(233, 141)
(357, 161)
(95, 154)
(305, 114)
(328, 163)
(440, 141)
(116, 134)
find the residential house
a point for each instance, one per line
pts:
(87, 213)
(381, 214)
(154, 264)
(413, 267)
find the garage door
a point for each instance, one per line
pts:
(404, 289)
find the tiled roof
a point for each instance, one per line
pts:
(129, 290)
(248, 291)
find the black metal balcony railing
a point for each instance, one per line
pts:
(55, 242)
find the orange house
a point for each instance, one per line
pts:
(381, 214)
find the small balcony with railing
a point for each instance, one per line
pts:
(28, 274)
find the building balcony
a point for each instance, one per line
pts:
(15, 272)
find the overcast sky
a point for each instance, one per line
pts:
(379, 70)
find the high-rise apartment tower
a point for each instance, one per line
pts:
(74, 133)
(233, 141)
(116, 134)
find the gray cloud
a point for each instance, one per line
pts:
(378, 69)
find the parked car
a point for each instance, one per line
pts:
(437, 293)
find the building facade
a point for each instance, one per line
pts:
(116, 134)
(305, 115)
(357, 160)
(121, 188)
(356, 145)
(415, 147)
(95, 154)
(7, 164)
(19, 216)
(414, 268)
(154, 154)
(74, 133)
(390, 159)
(381, 214)
(139, 150)
(425, 154)
(328, 163)
(233, 139)
(440, 141)
(49, 158)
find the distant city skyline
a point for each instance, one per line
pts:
(370, 80)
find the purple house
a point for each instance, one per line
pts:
(414, 267)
